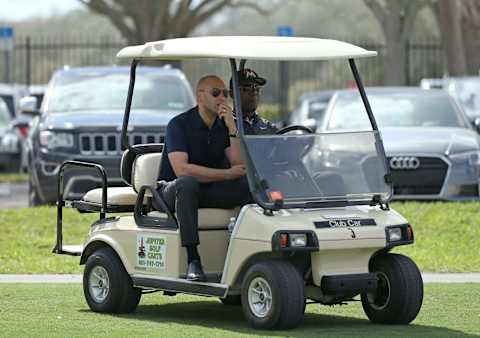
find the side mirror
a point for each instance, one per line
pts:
(476, 124)
(28, 105)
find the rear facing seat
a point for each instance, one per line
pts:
(144, 171)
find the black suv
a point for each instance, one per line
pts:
(81, 119)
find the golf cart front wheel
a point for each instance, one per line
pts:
(399, 295)
(107, 286)
(273, 295)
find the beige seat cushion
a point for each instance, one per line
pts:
(115, 196)
(209, 218)
(145, 171)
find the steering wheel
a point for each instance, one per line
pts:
(294, 127)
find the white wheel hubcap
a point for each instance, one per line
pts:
(259, 297)
(98, 284)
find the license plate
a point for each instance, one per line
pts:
(345, 223)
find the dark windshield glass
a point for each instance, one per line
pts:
(394, 110)
(320, 167)
(98, 91)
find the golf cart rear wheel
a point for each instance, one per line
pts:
(233, 300)
(399, 295)
(273, 295)
(106, 284)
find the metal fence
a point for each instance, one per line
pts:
(33, 60)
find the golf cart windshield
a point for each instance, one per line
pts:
(309, 170)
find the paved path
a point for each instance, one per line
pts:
(473, 277)
(13, 195)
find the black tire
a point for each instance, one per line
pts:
(233, 300)
(121, 296)
(399, 296)
(33, 195)
(287, 291)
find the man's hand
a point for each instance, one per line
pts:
(225, 113)
(236, 171)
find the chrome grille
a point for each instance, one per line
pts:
(110, 143)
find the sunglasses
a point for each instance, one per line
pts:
(216, 92)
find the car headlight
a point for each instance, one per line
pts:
(294, 240)
(399, 235)
(395, 234)
(470, 157)
(52, 139)
(471, 161)
(298, 240)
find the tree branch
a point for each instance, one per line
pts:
(378, 10)
(116, 17)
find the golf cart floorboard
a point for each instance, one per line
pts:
(181, 286)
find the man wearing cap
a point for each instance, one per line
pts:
(250, 83)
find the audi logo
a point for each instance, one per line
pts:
(404, 162)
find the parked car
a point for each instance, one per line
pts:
(10, 144)
(310, 108)
(11, 94)
(467, 91)
(432, 83)
(81, 119)
(432, 149)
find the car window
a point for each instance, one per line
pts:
(394, 110)
(108, 91)
(8, 99)
(317, 108)
(4, 114)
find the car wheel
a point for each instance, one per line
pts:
(399, 295)
(273, 295)
(106, 284)
(33, 195)
(233, 300)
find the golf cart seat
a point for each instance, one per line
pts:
(123, 199)
(145, 168)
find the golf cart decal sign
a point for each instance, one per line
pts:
(151, 251)
(345, 223)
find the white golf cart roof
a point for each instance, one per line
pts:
(245, 47)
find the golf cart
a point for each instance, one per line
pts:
(320, 231)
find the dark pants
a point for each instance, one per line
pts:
(186, 194)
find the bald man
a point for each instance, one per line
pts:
(198, 145)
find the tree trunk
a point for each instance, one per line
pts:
(449, 20)
(471, 38)
(395, 55)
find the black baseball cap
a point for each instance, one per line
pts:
(248, 77)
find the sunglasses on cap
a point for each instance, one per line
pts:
(216, 92)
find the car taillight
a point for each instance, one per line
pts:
(23, 131)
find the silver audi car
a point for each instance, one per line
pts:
(432, 149)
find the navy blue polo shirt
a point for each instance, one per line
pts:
(205, 146)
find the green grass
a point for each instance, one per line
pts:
(49, 310)
(447, 235)
(447, 238)
(13, 178)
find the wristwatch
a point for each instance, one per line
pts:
(234, 135)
